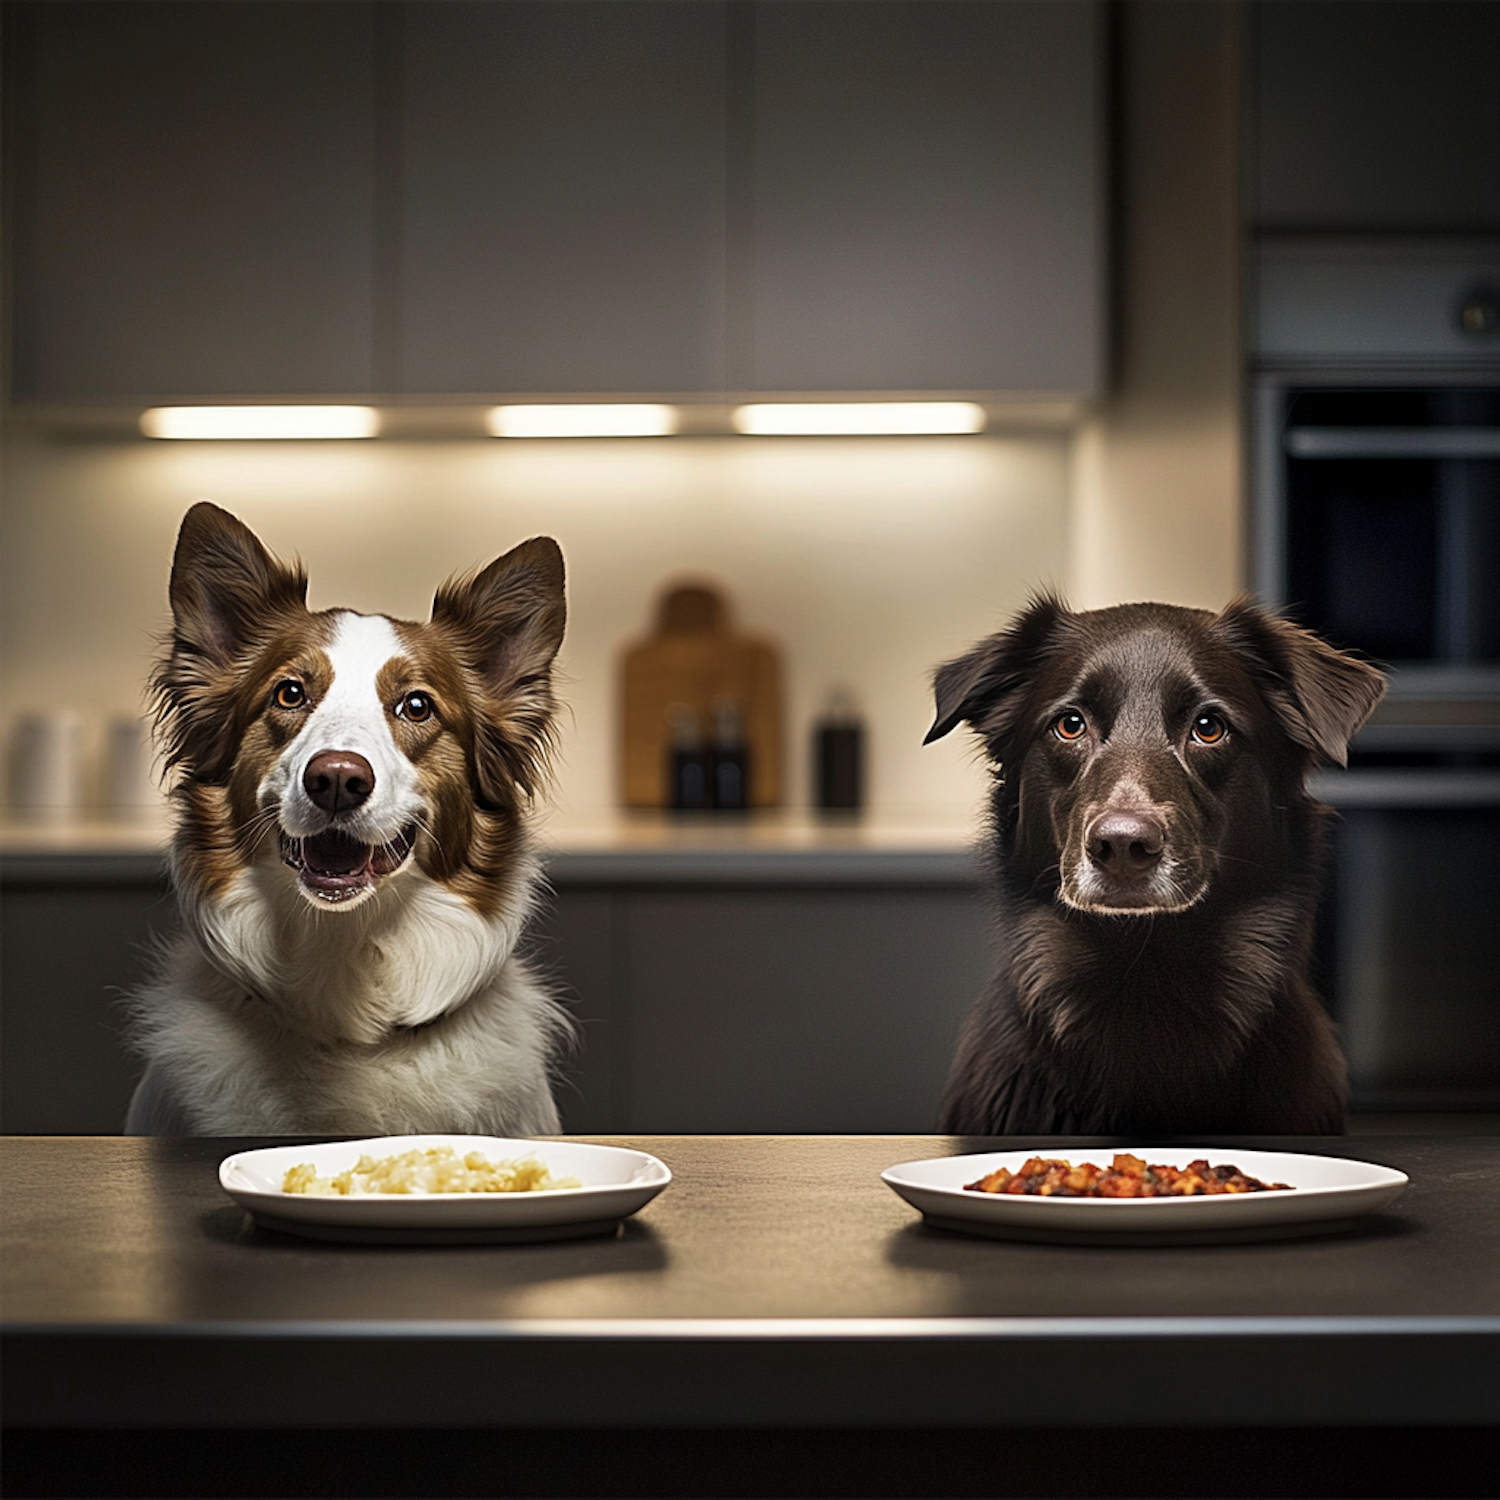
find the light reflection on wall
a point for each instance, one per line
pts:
(870, 560)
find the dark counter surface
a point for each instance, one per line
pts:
(138, 1231)
(776, 1281)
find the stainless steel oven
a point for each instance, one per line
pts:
(1377, 523)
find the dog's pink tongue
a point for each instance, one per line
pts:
(334, 853)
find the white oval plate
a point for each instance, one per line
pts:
(616, 1183)
(1328, 1192)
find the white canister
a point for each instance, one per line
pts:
(130, 785)
(46, 765)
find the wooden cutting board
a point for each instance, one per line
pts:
(694, 657)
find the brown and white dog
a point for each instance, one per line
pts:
(351, 853)
(1154, 858)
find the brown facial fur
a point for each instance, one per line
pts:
(225, 827)
(467, 845)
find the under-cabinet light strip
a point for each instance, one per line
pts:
(858, 418)
(258, 423)
(582, 419)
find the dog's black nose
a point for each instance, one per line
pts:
(1126, 843)
(338, 779)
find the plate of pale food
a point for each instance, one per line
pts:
(1144, 1194)
(435, 1189)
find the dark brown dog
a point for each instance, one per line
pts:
(1155, 859)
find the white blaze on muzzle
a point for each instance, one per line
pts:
(347, 799)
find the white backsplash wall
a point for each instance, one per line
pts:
(869, 561)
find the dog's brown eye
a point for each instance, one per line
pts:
(415, 708)
(1209, 729)
(289, 694)
(1070, 725)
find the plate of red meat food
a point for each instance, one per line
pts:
(1144, 1194)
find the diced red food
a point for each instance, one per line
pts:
(1127, 1177)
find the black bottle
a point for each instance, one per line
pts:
(839, 756)
(729, 759)
(687, 762)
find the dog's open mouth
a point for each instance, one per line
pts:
(333, 867)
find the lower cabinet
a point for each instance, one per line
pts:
(761, 1009)
(754, 1009)
(73, 944)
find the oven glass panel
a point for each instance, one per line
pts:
(1393, 521)
(1363, 561)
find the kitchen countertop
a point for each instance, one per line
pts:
(786, 847)
(776, 1284)
(110, 1243)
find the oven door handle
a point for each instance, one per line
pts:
(1407, 788)
(1393, 442)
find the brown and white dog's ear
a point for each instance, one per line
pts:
(1324, 696)
(225, 586)
(508, 621)
(510, 616)
(227, 592)
(975, 687)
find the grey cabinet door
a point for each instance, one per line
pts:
(70, 954)
(563, 197)
(193, 198)
(927, 197)
(1377, 114)
(794, 1011)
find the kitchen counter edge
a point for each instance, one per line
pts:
(576, 868)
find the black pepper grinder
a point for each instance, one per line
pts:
(729, 758)
(687, 762)
(839, 755)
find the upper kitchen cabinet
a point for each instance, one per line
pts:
(1377, 115)
(563, 208)
(679, 197)
(192, 198)
(925, 197)
(796, 196)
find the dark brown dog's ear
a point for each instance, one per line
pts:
(967, 688)
(1324, 696)
(225, 586)
(508, 620)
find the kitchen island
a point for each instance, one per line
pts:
(776, 1322)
